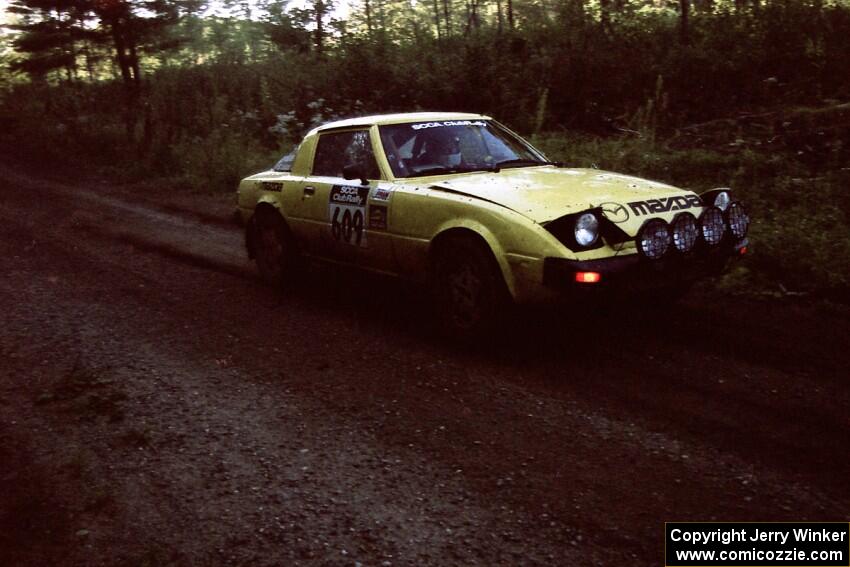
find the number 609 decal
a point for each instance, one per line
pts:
(347, 226)
(347, 213)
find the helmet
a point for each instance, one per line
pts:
(441, 146)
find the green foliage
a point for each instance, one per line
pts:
(56, 38)
(752, 100)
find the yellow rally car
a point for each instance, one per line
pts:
(461, 202)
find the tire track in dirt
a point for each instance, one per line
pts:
(274, 460)
(606, 434)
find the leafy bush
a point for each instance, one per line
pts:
(751, 100)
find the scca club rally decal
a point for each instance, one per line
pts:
(347, 212)
(665, 204)
(424, 125)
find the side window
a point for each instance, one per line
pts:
(285, 163)
(335, 150)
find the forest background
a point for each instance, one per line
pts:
(192, 95)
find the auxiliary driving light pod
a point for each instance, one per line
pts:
(654, 239)
(586, 229)
(712, 226)
(685, 232)
(737, 219)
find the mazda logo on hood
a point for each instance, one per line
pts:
(615, 212)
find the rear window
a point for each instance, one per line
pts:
(285, 163)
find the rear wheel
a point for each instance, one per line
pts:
(468, 287)
(274, 248)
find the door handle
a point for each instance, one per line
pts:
(309, 191)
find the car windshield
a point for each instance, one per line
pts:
(454, 146)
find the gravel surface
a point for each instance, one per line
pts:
(160, 406)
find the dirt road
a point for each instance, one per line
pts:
(160, 406)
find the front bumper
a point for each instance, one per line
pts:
(634, 272)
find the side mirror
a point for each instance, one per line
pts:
(355, 171)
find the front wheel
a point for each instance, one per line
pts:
(468, 287)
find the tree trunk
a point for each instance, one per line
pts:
(471, 16)
(369, 19)
(605, 14)
(684, 31)
(72, 49)
(437, 18)
(128, 62)
(87, 55)
(121, 56)
(134, 65)
(319, 8)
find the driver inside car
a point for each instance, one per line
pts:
(440, 147)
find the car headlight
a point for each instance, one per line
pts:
(685, 232)
(722, 200)
(737, 219)
(712, 226)
(654, 239)
(587, 229)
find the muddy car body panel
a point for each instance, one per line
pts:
(366, 192)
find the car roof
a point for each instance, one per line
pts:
(400, 118)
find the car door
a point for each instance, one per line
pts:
(346, 224)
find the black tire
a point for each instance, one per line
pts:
(274, 248)
(469, 290)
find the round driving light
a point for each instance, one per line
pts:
(587, 229)
(722, 200)
(737, 219)
(712, 226)
(654, 239)
(685, 232)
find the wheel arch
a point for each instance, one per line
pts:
(483, 237)
(264, 207)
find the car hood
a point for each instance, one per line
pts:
(547, 193)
